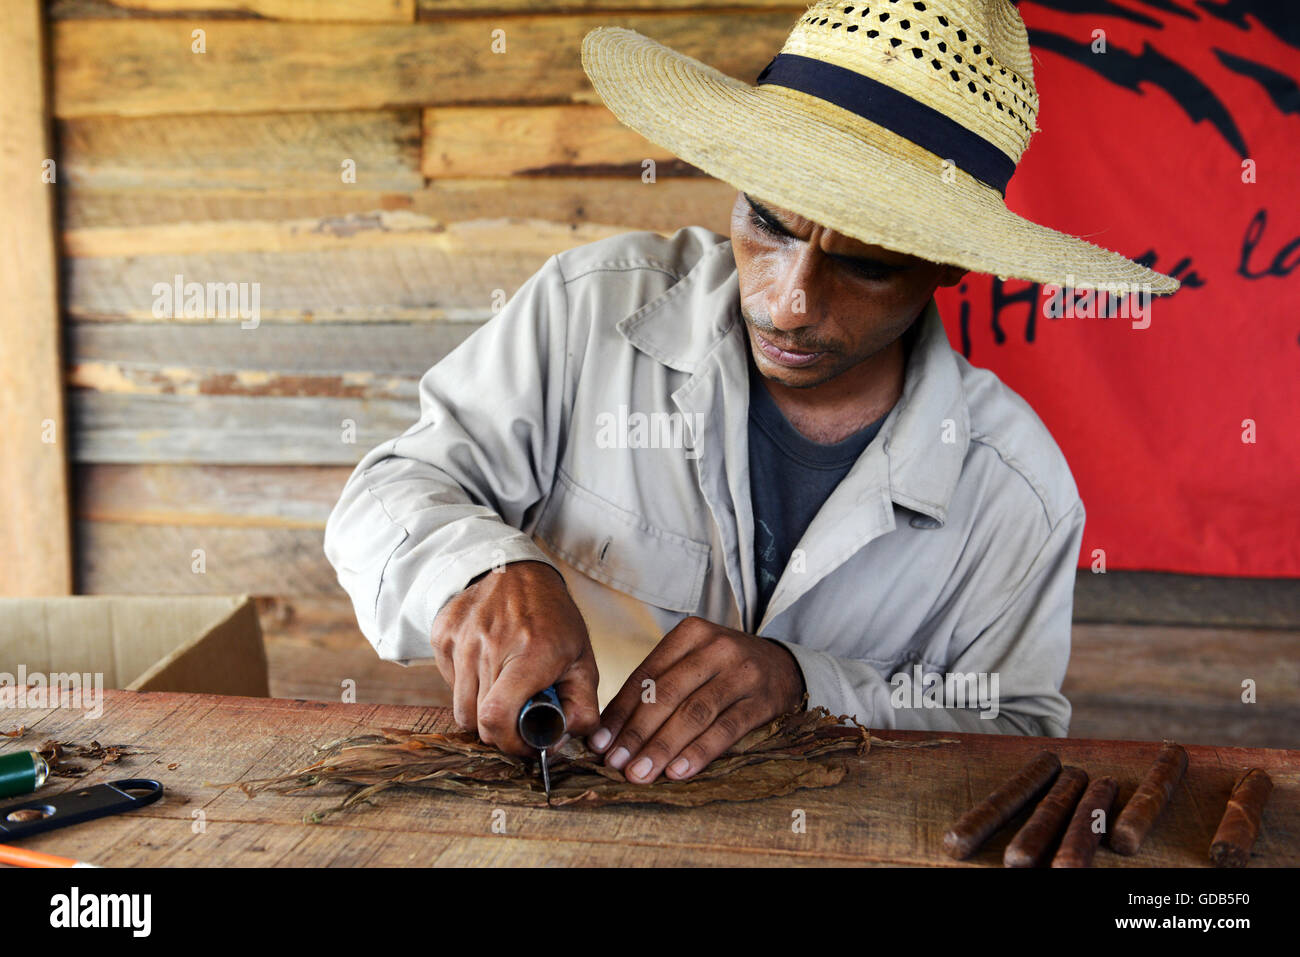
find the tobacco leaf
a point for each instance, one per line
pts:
(802, 749)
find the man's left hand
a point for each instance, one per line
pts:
(708, 687)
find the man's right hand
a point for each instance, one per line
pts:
(511, 633)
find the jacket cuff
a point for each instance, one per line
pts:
(439, 582)
(826, 683)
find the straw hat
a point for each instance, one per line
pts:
(851, 123)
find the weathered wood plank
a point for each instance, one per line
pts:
(570, 139)
(1132, 719)
(622, 201)
(277, 496)
(356, 361)
(313, 646)
(381, 229)
(260, 151)
(892, 807)
(115, 558)
(1151, 682)
(146, 67)
(370, 10)
(397, 11)
(379, 283)
(437, 8)
(35, 557)
(1187, 665)
(232, 429)
(1164, 598)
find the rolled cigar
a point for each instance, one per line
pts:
(1080, 841)
(1240, 825)
(976, 826)
(1149, 800)
(1033, 842)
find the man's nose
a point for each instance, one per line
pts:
(790, 297)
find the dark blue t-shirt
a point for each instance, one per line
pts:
(790, 476)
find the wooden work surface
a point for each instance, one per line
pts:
(892, 809)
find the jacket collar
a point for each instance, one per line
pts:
(927, 433)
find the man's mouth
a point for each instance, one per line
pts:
(790, 358)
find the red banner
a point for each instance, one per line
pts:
(1169, 132)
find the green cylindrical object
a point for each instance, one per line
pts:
(22, 773)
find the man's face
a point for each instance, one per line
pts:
(816, 302)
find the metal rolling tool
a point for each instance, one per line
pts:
(542, 726)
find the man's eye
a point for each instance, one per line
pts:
(762, 224)
(872, 272)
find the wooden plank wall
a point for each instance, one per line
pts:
(471, 168)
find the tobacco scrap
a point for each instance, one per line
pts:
(803, 749)
(59, 754)
(17, 732)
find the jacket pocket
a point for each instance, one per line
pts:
(619, 548)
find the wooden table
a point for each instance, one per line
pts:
(892, 809)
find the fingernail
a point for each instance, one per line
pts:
(619, 758)
(600, 740)
(679, 767)
(641, 768)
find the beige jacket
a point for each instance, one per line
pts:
(598, 423)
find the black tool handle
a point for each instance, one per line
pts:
(73, 807)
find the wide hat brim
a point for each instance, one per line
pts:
(878, 188)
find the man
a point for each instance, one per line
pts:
(741, 470)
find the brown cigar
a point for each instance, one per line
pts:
(1149, 800)
(1241, 819)
(1033, 842)
(976, 826)
(1081, 840)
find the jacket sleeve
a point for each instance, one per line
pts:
(1024, 648)
(454, 495)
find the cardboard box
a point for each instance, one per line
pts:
(206, 644)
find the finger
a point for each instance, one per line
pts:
(519, 679)
(727, 728)
(641, 685)
(464, 687)
(485, 676)
(691, 719)
(673, 687)
(446, 668)
(577, 691)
